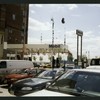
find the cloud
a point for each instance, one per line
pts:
(32, 11)
(39, 5)
(90, 42)
(30, 5)
(75, 15)
(71, 34)
(60, 6)
(71, 6)
(88, 34)
(94, 5)
(98, 25)
(36, 5)
(33, 40)
(36, 25)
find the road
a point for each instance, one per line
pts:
(4, 92)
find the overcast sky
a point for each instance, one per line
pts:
(85, 17)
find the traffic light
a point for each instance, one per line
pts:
(63, 20)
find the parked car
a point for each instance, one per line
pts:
(75, 82)
(25, 73)
(94, 64)
(29, 85)
(6, 66)
(36, 64)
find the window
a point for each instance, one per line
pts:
(89, 82)
(3, 64)
(13, 16)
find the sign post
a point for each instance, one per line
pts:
(79, 33)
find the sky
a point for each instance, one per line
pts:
(85, 17)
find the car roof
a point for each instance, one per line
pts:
(54, 69)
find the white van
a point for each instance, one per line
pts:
(6, 66)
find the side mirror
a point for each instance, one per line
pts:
(47, 84)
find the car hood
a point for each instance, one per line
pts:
(32, 81)
(16, 75)
(45, 92)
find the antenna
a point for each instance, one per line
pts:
(64, 41)
(41, 38)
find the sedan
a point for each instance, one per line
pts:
(29, 85)
(76, 82)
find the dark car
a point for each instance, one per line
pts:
(29, 85)
(75, 82)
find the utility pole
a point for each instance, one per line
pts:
(52, 31)
(64, 42)
(53, 62)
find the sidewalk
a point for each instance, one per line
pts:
(4, 93)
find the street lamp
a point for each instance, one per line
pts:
(63, 22)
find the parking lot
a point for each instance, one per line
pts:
(4, 91)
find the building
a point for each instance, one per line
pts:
(14, 33)
(38, 51)
(13, 25)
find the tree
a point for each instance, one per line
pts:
(60, 58)
(41, 58)
(34, 58)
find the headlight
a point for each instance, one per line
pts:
(26, 88)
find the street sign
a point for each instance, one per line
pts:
(79, 32)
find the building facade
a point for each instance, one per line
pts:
(38, 50)
(13, 25)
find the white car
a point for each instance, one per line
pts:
(75, 82)
(93, 67)
(46, 93)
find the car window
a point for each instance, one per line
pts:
(80, 82)
(88, 82)
(47, 74)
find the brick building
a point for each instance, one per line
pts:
(13, 25)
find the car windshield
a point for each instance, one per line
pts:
(77, 83)
(47, 74)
